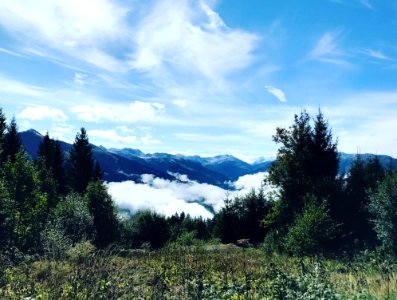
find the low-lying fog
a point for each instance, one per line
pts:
(183, 195)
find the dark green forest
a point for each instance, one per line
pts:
(51, 205)
(59, 199)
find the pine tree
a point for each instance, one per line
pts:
(51, 155)
(58, 167)
(363, 177)
(81, 162)
(45, 151)
(3, 128)
(13, 143)
(290, 171)
(103, 210)
(306, 166)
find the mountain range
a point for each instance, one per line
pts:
(130, 164)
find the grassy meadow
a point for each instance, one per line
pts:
(206, 272)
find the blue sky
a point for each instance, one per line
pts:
(201, 77)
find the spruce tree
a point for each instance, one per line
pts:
(363, 177)
(45, 151)
(3, 128)
(306, 167)
(103, 210)
(13, 143)
(81, 162)
(58, 167)
(51, 155)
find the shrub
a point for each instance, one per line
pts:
(383, 206)
(311, 231)
(73, 219)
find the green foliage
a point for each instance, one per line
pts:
(307, 163)
(312, 231)
(3, 128)
(81, 162)
(146, 227)
(6, 218)
(383, 206)
(363, 177)
(72, 219)
(28, 206)
(50, 156)
(241, 218)
(194, 273)
(55, 243)
(13, 143)
(103, 210)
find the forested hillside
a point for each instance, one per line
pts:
(57, 205)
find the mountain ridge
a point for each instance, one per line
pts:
(129, 164)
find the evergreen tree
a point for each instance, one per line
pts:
(3, 128)
(5, 216)
(13, 143)
(383, 206)
(28, 208)
(51, 154)
(363, 177)
(97, 174)
(307, 165)
(45, 151)
(58, 167)
(324, 160)
(81, 162)
(103, 210)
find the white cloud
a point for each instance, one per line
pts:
(367, 4)
(374, 54)
(11, 86)
(41, 112)
(278, 93)
(133, 112)
(74, 28)
(186, 37)
(113, 137)
(180, 102)
(79, 78)
(250, 181)
(327, 50)
(62, 132)
(13, 53)
(169, 197)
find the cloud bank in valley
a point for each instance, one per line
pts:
(170, 197)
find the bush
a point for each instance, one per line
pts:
(145, 227)
(81, 251)
(312, 230)
(73, 219)
(383, 206)
(55, 243)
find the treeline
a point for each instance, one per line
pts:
(59, 201)
(317, 211)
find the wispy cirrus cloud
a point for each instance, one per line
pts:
(189, 38)
(127, 113)
(276, 92)
(373, 54)
(121, 138)
(73, 28)
(11, 86)
(327, 50)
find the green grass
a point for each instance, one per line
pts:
(211, 272)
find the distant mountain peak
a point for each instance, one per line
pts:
(35, 132)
